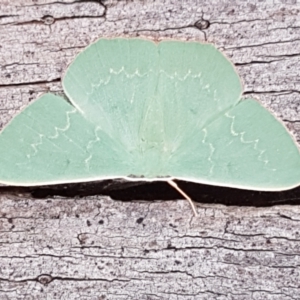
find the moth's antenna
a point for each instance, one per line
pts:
(176, 187)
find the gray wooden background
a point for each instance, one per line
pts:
(97, 248)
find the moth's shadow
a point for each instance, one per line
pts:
(128, 191)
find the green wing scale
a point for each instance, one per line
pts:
(145, 111)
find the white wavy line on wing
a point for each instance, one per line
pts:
(35, 146)
(212, 150)
(66, 127)
(62, 130)
(242, 139)
(90, 145)
(137, 73)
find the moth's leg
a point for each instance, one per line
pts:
(176, 187)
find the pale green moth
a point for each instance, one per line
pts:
(149, 111)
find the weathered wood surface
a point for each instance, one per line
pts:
(97, 248)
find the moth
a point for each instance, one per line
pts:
(141, 110)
